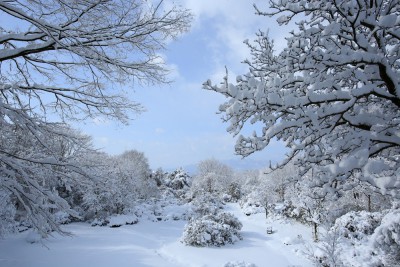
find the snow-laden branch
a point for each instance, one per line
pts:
(87, 46)
(332, 95)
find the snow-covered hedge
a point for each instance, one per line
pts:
(212, 230)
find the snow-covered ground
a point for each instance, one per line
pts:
(158, 244)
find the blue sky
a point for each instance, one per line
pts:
(180, 126)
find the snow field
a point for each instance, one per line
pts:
(149, 243)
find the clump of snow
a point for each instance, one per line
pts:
(239, 264)
(99, 222)
(212, 230)
(388, 21)
(33, 237)
(293, 240)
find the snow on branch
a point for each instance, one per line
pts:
(332, 95)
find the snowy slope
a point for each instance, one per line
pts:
(157, 244)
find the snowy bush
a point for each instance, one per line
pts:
(356, 225)
(119, 220)
(61, 217)
(251, 204)
(289, 210)
(212, 230)
(386, 238)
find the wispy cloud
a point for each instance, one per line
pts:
(159, 130)
(229, 25)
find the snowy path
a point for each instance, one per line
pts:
(155, 244)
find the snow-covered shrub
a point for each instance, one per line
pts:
(252, 204)
(358, 224)
(122, 219)
(239, 264)
(289, 210)
(61, 217)
(386, 238)
(212, 230)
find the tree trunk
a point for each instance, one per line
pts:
(315, 232)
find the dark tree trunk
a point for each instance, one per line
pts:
(315, 232)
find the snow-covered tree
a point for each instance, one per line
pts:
(178, 179)
(63, 59)
(158, 176)
(280, 182)
(35, 165)
(332, 95)
(212, 176)
(120, 181)
(132, 174)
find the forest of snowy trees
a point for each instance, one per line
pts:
(62, 61)
(332, 96)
